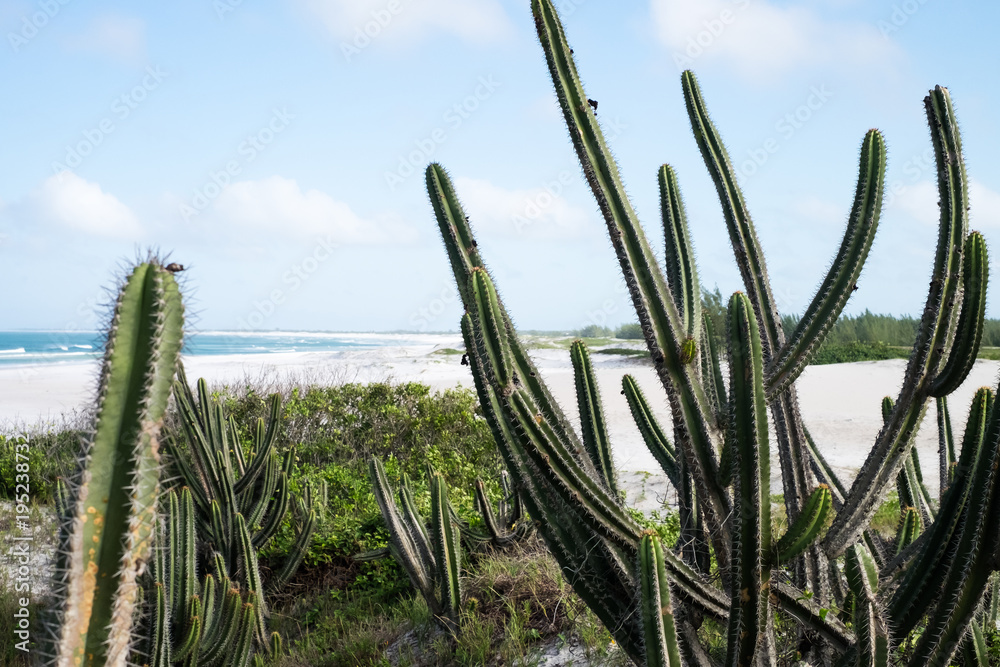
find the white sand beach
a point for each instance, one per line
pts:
(840, 403)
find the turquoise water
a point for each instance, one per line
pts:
(43, 347)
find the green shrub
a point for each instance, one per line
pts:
(43, 456)
(838, 353)
(631, 331)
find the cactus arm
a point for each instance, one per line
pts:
(910, 527)
(797, 605)
(681, 269)
(263, 453)
(934, 334)
(400, 539)
(464, 256)
(198, 441)
(192, 635)
(255, 500)
(973, 561)
(713, 372)
(977, 653)
(831, 297)
(872, 636)
(655, 606)
(297, 552)
(749, 256)
(650, 292)
(231, 620)
(925, 575)
(590, 500)
(824, 471)
(447, 553)
(946, 446)
(595, 432)
(750, 611)
(114, 516)
(572, 481)
(242, 650)
(233, 435)
(159, 643)
(652, 434)
(969, 330)
(806, 528)
(251, 575)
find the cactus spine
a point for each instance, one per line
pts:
(110, 518)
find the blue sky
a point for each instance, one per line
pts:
(270, 148)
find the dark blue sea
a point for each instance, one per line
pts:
(42, 347)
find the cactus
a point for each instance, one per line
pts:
(719, 453)
(188, 623)
(109, 508)
(432, 559)
(240, 498)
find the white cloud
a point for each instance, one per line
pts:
(278, 205)
(68, 200)
(120, 37)
(409, 20)
(540, 211)
(761, 40)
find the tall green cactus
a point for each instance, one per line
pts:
(719, 454)
(110, 509)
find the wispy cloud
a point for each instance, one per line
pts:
(278, 206)
(407, 21)
(121, 38)
(761, 40)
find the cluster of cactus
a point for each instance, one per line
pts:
(192, 623)
(235, 491)
(107, 510)
(432, 558)
(410, 538)
(924, 600)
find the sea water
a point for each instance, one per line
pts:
(42, 347)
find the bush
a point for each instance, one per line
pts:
(629, 331)
(43, 456)
(337, 429)
(838, 353)
(594, 331)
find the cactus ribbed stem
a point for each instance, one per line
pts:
(749, 617)
(114, 509)
(934, 334)
(657, 610)
(595, 432)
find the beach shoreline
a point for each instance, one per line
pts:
(840, 402)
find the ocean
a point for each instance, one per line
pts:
(54, 347)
